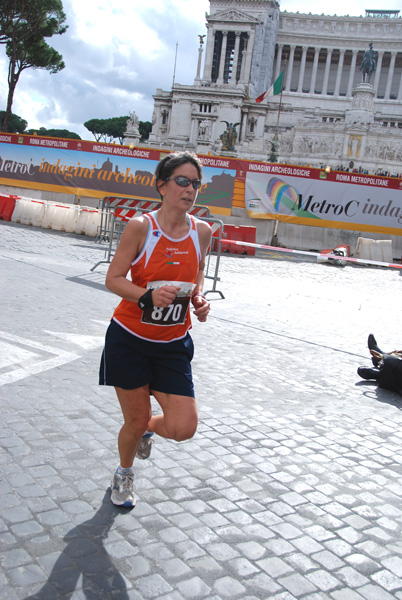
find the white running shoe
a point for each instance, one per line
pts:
(145, 447)
(122, 487)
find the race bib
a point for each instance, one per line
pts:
(175, 313)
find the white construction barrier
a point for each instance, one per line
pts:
(60, 217)
(71, 218)
(37, 213)
(93, 222)
(81, 221)
(48, 215)
(22, 211)
(380, 250)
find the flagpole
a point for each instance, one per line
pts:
(274, 240)
(280, 101)
(174, 68)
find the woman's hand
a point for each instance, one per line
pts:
(202, 307)
(164, 296)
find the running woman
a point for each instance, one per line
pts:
(148, 348)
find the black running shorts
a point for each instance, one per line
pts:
(129, 362)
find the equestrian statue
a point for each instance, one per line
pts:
(369, 63)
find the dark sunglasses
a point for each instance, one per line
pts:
(183, 181)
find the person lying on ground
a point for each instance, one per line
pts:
(386, 369)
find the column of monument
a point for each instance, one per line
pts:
(223, 57)
(339, 72)
(302, 69)
(278, 61)
(209, 52)
(197, 77)
(235, 59)
(290, 68)
(326, 72)
(380, 56)
(400, 89)
(352, 73)
(314, 73)
(390, 75)
(249, 55)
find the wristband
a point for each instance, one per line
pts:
(146, 300)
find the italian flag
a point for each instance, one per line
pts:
(274, 90)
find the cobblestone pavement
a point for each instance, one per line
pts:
(289, 490)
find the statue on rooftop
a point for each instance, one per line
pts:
(133, 123)
(229, 136)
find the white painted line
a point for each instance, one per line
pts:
(61, 357)
(10, 355)
(88, 342)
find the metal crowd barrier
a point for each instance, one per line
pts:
(110, 204)
(119, 215)
(217, 236)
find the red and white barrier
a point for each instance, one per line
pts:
(60, 217)
(7, 206)
(308, 253)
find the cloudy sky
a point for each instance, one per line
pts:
(118, 52)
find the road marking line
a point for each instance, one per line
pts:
(62, 357)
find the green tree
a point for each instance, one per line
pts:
(106, 130)
(116, 127)
(59, 133)
(15, 123)
(24, 25)
(98, 129)
(145, 128)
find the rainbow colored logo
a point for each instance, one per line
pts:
(278, 191)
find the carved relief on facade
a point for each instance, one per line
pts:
(204, 129)
(354, 145)
(317, 146)
(286, 143)
(363, 101)
(230, 16)
(371, 150)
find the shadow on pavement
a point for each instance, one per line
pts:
(94, 280)
(381, 395)
(85, 555)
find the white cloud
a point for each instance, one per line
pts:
(117, 53)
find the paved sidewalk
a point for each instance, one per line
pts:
(290, 489)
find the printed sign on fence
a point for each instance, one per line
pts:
(325, 203)
(98, 170)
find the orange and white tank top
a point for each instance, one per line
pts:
(163, 261)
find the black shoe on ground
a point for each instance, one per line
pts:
(368, 373)
(372, 344)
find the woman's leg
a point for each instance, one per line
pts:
(179, 419)
(136, 408)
